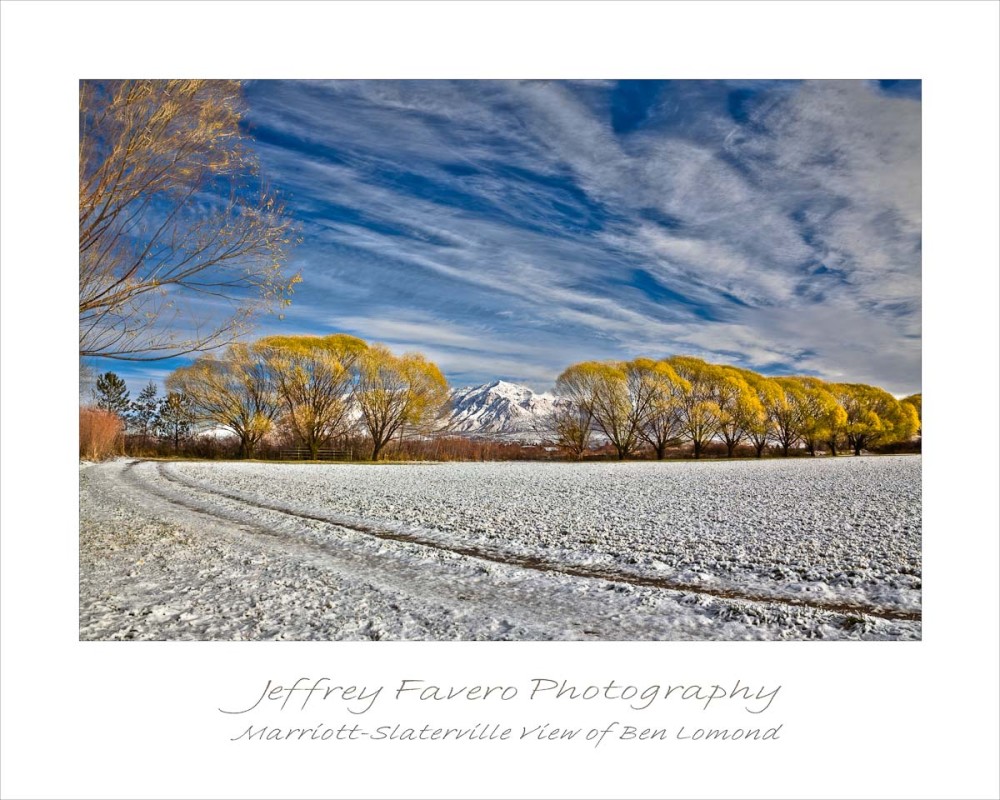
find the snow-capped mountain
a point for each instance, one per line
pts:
(501, 410)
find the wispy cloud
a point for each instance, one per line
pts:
(509, 228)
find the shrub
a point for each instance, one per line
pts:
(100, 434)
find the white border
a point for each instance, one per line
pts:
(139, 720)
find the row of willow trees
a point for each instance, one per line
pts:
(647, 404)
(314, 389)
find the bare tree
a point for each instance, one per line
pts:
(180, 245)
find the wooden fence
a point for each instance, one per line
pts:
(303, 454)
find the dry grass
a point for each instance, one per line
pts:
(100, 434)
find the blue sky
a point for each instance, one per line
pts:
(508, 229)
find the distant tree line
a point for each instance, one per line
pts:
(312, 393)
(684, 401)
(303, 391)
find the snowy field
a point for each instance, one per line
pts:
(778, 549)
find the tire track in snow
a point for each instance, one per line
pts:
(532, 562)
(449, 596)
(435, 601)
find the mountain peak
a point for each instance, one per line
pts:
(500, 409)
(495, 384)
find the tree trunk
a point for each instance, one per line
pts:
(730, 447)
(784, 449)
(760, 449)
(661, 451)
(314, 449)
(697, 449)
(376, 450)
(833, 447)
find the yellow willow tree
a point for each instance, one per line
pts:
(821, 413)
(397, 394)
(180, 244)
(837, 434)
(699, 412)
(875, 417)
(233, 391)
(313, 378)
(788, 413)
(908, 424)
(662, 424)
(573, 418)
(615, 395)
(571, 425)
(759, 428)
(620, 406)
(622, 402)
(739, 406)
(916, 400)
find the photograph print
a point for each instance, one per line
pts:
(500, 360)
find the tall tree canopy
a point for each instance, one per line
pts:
(397, 392)
(699, 415)
(788, 413)
(112, 394)
(617, 396)
(234, 391)
(171, 214)
(874, 416)
(759, 424)
(739, 407)
(313, 376)
(821, 413)
(662, 426)
(917, 402)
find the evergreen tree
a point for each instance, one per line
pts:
(112, 394)
(144, 409)
(174, 418)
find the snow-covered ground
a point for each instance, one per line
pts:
(778, 549)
